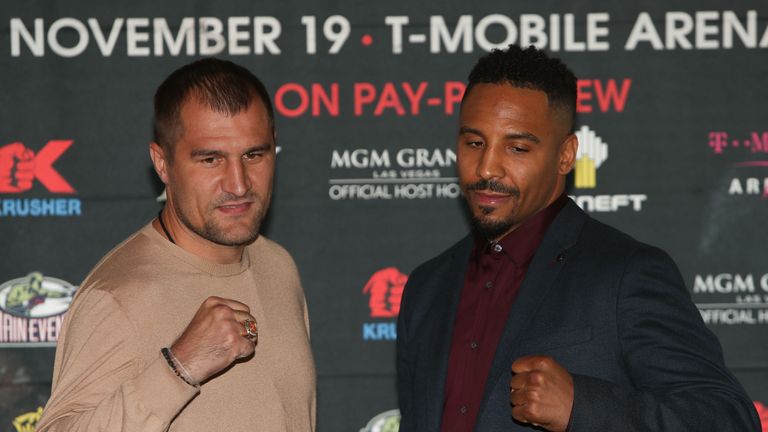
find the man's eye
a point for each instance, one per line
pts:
(475, 144)
(209, 160)
(252, 155)
(518, 149)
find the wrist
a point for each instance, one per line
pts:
(178, 368)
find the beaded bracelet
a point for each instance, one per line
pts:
(172, 362)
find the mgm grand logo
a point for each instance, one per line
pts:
(32, 308)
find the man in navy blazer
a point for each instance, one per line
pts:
(544, 318)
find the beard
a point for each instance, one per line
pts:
(485, 225)
(215, 233)
(491, 229)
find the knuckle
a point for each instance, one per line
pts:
(532, 410)
(517, 413)
(210, 301)
(230, 340)
(533, 396)
(221, 311)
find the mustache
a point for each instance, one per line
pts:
(493, 186)
(231, 199)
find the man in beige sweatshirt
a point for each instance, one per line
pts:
(195, 322)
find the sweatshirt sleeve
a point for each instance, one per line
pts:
(99, 384)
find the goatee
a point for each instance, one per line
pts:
(487, 227)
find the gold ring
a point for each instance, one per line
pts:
(251, 331)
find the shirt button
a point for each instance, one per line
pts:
(497, 247)
(463, 409)
(474, 345)
(489, 284)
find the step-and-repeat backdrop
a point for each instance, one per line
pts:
(672, 119)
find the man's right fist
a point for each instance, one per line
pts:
(214, 338)
(17, 168)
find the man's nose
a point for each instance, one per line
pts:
(490, 164)
(236, 179)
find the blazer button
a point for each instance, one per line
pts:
(463, 409)
(560, 258)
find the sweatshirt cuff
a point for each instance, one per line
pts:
(162, 393)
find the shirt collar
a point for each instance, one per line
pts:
(520, 244)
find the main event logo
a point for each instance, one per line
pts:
(21, 167)
(384, 290)
(591, 155)
(388, 421)
(32, 309)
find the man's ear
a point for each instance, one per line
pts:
(159, 161)
(568, 150)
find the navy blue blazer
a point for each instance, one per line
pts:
(613, 311)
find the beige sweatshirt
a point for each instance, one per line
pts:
(109, 374)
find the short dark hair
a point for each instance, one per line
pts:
(222, 85)
(529, 68)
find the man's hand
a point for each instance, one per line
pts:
(541, 392)
(17, 168)
(214, 338)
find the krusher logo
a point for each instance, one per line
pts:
(20, 167)
(591, 155)
(384, 290)
(32, 308)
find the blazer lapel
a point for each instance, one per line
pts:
(539, 280)
(447, 293)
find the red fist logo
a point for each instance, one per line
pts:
(17, 168)
(20, 166)
(385, 288)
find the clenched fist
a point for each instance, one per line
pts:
(541, 392)
(214, 338)
(17, 168)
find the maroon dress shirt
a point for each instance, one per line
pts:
(493, 277)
